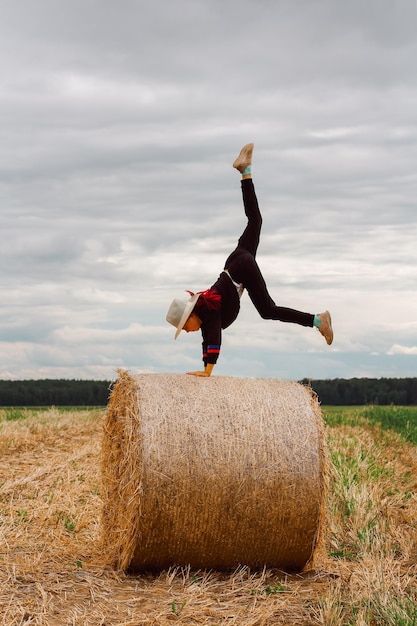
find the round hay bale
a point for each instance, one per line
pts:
(212, 472)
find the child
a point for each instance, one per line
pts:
(216, 308)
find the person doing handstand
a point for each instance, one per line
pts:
(217, 307)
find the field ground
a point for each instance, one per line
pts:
(52, 572)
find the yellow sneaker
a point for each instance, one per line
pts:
(325, 327)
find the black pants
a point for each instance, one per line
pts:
(243, 268)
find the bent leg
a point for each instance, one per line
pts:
(245, 269)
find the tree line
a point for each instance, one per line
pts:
(365, 391)
(51, 392)
(337, 391)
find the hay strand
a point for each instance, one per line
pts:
(212, 472)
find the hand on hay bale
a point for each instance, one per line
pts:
(206, 372)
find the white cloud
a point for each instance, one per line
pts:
(398, 349)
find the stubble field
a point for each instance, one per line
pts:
(52, 571)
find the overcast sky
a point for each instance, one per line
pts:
(119, 125)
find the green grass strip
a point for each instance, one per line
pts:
(401, 419)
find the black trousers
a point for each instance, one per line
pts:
(243, 268)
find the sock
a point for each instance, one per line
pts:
(247, 171)
(317, 321)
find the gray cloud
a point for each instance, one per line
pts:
(119, 126)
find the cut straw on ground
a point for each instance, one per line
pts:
(52, 571)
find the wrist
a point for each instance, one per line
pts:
(209, 368)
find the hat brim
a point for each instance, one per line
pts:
(187, 312)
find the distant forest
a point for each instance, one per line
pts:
(51, 392)
(338, 391)
(362, 391)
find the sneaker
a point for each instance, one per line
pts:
(244, 159)
(325, 327)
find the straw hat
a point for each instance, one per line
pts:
(180, 311)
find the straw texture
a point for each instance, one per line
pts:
(212, 472)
